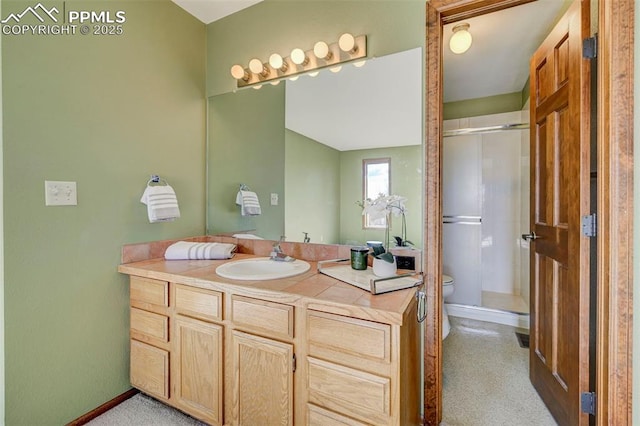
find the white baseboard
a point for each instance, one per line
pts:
(491, 315)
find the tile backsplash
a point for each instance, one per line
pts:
(312, 252)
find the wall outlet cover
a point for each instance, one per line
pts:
(60, 193)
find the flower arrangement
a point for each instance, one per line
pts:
(383, 207)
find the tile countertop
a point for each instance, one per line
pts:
(311, 289)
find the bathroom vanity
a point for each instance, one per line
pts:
(304, 350)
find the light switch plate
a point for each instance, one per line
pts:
(58, 193)
(274, 199)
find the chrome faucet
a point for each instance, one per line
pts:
(277, 254)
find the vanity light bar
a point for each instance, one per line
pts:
(322, 55)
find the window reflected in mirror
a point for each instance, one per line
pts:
(376, 181)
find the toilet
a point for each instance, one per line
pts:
(447, 290)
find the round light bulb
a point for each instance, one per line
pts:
(238, 72)
(359, 64)
(321, 50)
(256, 66)
(258, 87)
(347, 43)
(461, 39)
(313, 74)
(336, 69)
(298, 57)
(276, 61)
(275, 83)
(294, 78)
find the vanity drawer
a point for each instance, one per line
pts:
(317, 416)
(145, 291)
(273, 319)
(348, 340)
(350, 392)
(149, 326)
(198, 303)
(150, 369)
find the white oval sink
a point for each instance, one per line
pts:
(262, 268)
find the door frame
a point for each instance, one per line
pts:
(614, 209)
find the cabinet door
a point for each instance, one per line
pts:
(150, 369)
(262, 391)
(197, 368)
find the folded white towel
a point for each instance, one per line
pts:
(249, 203)
(247, 236)
(187, 250)
(162, 204)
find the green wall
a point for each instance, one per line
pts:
(406, 180)
(106, 112)
(312, 188)
(278, 26)
(484, 106)
(246, 145)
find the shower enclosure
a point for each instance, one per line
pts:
(485, 178)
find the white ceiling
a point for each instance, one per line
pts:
(498, 60)
(377, 105)
(208, 11)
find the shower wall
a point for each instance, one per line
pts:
(486, 261)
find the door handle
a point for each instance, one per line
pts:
(530, 237)
(421, 314)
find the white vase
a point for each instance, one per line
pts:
(383, 269)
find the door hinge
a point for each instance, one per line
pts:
(590, 47)
(588, 403)
(589, 225)
(294, 363)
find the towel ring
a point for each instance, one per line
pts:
(244, 187)
(157, 179)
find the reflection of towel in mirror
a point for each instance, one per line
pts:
(247, 236)
(187, 250)
(162, 204)
(248, 202)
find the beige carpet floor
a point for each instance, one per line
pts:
(486, 378)
(141, 410)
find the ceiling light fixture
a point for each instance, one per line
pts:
(461, 39)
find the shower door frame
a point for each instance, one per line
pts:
(614, 205)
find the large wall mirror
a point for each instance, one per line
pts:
(300, 145)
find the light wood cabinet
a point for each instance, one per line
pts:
(231, 356)
(197, 375)
(262, 390)
(150, 369)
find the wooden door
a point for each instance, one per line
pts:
(197, 368)
(262, 391)
(559, 346)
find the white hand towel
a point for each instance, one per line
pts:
(186, 250)
(249, 203)
(162, 203)
(247, 236)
